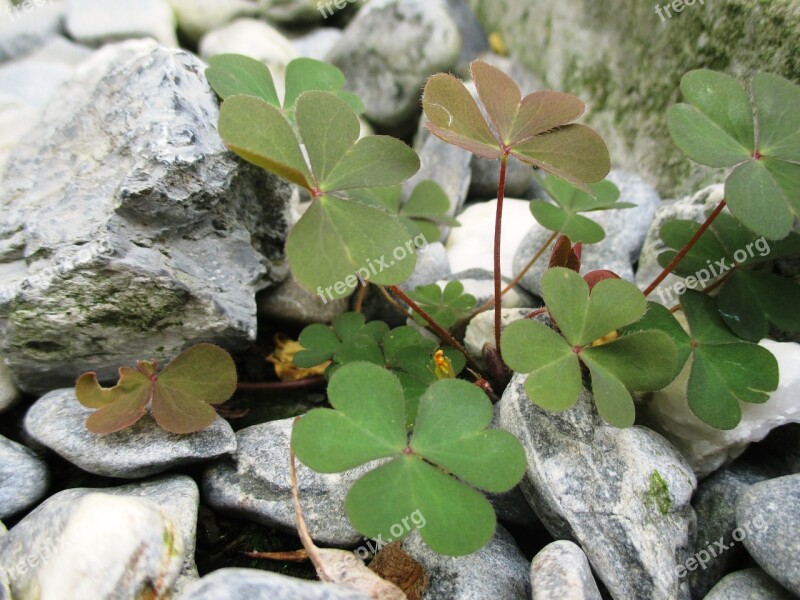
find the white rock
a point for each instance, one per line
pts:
(318, 43)
(101, 547)
(471, 246)
(97, 23)
(255, 39)
(707, 448)
(198, 17)
(9, 394)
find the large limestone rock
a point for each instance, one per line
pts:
(127, 231)
(627, 63)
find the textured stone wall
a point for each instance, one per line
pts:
(626, 62)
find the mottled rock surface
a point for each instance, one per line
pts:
(561, 572)
(769, 513)
(750, 584)
(128, 230)
(24, 478)
(498, 570)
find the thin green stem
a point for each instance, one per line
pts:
(685, 250)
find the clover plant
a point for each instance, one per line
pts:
(537, 130)
(181, 395)
(562, 216)
(753, 132)
(402, 350)
(637, 361)
(447, 306)
(313, 142)
(394, 393)
(437, 470)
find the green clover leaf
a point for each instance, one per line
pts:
(725, 369)
(756, 135)
(238, 75)
(563, 216)
(424, 212)
(181, 395)
(643, 360)
(447, 306)
(336, 237)
(435, 473)
(537, 129)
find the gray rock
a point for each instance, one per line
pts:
(388, 50)
(750, 584)
(475, 41)
(24, 478)
(3, 529)
(252, 38)
(291, 301)
(58, 421)
(768, 514)
(625, 229)
(622, 494)
(690, 208)
(17, 118)
(25, 29)
(432, 266)
(498, 570)
(197, 17)
(101, 546)
(447, 165)
(9, 394)
(157, 216)
(238, 584)
(561, 572)
(254, 484)
(95, 24)
(317, 43)
(715, 505)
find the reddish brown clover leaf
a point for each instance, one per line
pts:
(537, 129)
(181, 396)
